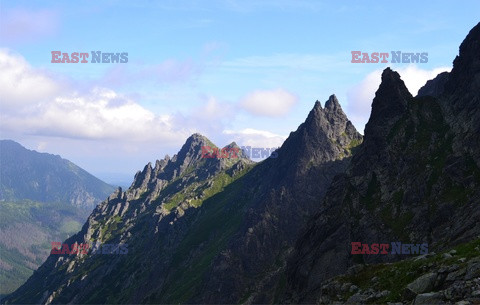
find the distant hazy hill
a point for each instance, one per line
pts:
(27, 174)
(43, 198)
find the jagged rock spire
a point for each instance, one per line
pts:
(389, 104)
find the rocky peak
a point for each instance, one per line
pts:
(240, 153)
(326, 119)
(117, 194)
(332, 104)
(140, 182)
(466, 66)
(339, 121)
(462, 95)
(389, 105)
(326, 135)
(169, 168)
(434, 87)
(189, 155)
(160, 165)
(232, 145)
(192, 149)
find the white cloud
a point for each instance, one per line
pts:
(213, 110)
(255, 138)
(34, 103)
(209, 118)
(104, 128)
(101, 114)
(20, 84)
(415, 78)
(272, 103)
(360, 96)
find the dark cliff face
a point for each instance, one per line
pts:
(353, 198)
(464, 77)
(202, 230)
(414, 179)
(462, 96)
(287, 192)
(388, 107)
(434, 87)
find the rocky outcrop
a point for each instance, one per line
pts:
(415, 178)
(461, 98)
(446, 278)
(434, 87)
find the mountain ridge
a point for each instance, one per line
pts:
(28, 174)
(181, 208)
(43, 198)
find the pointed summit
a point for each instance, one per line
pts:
(466, 65)
(197, 136)
(392, 93)
(191, 151)
(332, 113)
(325, 135)
(389, 104)
(167, 169)
(332, 104)
(195, 140)
(240, 154)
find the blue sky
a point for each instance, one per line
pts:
(244, 71)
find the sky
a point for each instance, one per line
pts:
(244, 71)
